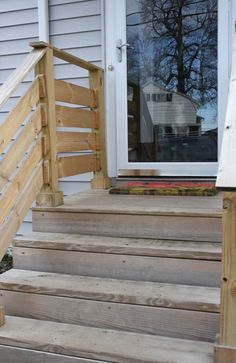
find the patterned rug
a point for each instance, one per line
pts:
(166, 188)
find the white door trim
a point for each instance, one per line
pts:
(116, 93)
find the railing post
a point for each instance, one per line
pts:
(50, 195)
(225, 351)
(2, 316)
(96, 82)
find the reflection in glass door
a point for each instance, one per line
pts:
(172, 80)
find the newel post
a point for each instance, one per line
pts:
(50, 194)
(96, 82)
(225, 351)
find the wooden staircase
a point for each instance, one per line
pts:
(115, 279)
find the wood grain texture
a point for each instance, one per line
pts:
(127, 225)
(22, 109)
(65, 56)
(22, 204)
(2, 315)
(19, 74)
(71, 93)
(137, 268)
(17, 151)
(18, 355)
(184, 297)
(46, 67)
(76, 141)
(228, 282)
(126, 246)
(176, 323)
(75, 117)
(96, 82)
(94, 343)
(77, 164)
(15, 186)
(224, 354)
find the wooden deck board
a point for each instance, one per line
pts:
(94, 201)
(125, 246)
(113, 290)
(93, 343)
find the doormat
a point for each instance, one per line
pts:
(166, 188)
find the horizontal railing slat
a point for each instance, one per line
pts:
(17, 151)
(76, 141)
(19, 113)
(14, 187)
(78, 164)
(71, 93)
(19, 74)
(70, 58)
(75, 117)
(23, 203)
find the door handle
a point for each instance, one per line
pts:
(120, 47)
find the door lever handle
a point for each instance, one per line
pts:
(120, 46)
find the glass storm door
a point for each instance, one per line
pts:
(167, 61)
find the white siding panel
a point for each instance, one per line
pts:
(20, 17)
(63, 2)
(83, 25)
(12, 5)
(17, 46)
(75, 10)
(88, 39)
(18, 32)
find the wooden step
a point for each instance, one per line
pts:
(131, 216)
(19, 355)
(100, 344)
(172, 310)
(185, 271)
(124, 246)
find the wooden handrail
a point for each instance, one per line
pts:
(66, 56)
(19, 74)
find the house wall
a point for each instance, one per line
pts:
(74, 26)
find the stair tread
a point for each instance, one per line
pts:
(100, 201)
(101, 344)
(116, 245)
(173, 296)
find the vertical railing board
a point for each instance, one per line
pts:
(2, 316)
(50, 194)
(96, 82)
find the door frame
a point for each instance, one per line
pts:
(116, 94)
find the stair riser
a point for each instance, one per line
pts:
(138, 268)
(17, 355)
(128, 225)
(141, 319)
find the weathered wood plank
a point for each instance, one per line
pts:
(76, 141)
(137, 268)
(19, 74)
(182, 297)
(87, 342)
(65, 56)
(21, 145)
(228, 296)
(19, 355)
(96, 82)
(22, 204)
(75, 117)
(2, 315)
(14, 187)
(225, 354)
(125, 246)
(71, 93)
(127, 317)
(20, 112)
(118, 224)
(78, 164)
